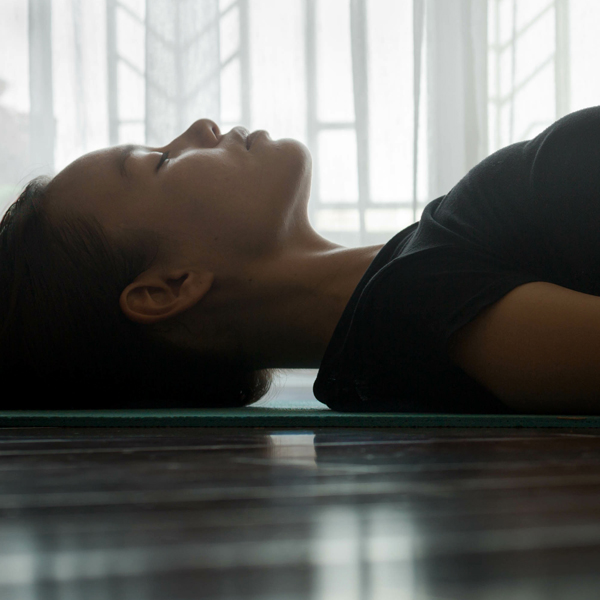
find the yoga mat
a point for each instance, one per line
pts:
(288, 408)
(255, 416)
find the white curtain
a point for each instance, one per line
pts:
(396, 99)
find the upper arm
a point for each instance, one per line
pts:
(537, 349)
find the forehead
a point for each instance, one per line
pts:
(90, 178)
(91, 186)
(94, 165)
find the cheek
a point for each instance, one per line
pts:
(244, 228)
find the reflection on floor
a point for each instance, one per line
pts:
(332, 513)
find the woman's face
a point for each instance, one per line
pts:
(211, 194)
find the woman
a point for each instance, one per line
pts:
(185, 276)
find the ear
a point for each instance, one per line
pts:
(155, 297)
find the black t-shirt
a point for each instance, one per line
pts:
(528, 212)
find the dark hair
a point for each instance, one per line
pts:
(64, 341)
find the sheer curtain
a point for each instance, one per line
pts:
(396, 99)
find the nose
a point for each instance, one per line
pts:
(204, 129)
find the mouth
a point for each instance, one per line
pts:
(250, 139)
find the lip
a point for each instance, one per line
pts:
(252, 137)
(241, 133)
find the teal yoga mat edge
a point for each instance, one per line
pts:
(264, 417)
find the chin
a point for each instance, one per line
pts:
(297, 152)
(293, 167)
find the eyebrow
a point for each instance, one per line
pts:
(124, 153)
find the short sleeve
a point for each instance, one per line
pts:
(407, 314)
(564, 179)
(565, 161)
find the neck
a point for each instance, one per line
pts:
(285, 313)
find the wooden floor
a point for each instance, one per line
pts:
(324, 514)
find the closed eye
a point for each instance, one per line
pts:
(163, 158)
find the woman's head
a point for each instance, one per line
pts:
(219, 207)
(102, 265)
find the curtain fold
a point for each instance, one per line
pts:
(457, 89)
(418, 32)
(360, 79)
(42, 128)
(182, 66)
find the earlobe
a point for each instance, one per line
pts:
(154, 297)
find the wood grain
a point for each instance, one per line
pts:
(261, 514)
